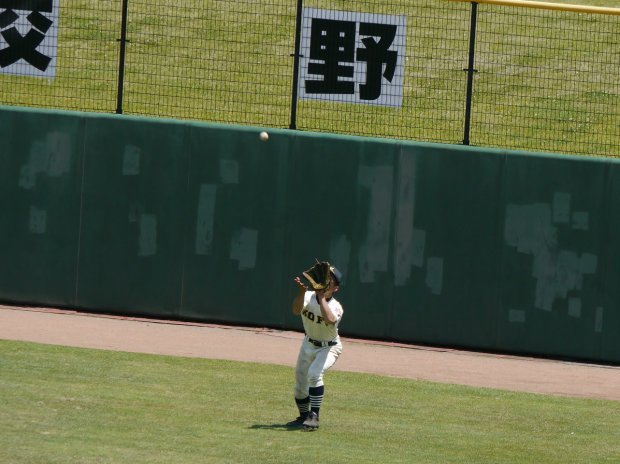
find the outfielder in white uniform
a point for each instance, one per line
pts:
(320, 313)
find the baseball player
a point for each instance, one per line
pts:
(320, 313)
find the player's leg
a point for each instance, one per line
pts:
(325, 359)
(302, 398)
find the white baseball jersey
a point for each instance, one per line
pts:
(315, 325)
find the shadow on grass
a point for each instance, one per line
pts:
(282, 427)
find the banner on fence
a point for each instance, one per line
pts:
(352, 57)
(29, 37)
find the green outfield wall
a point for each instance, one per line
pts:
(440, 244)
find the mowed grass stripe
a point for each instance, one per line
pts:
(68, 405)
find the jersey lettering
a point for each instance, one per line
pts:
(313, 317)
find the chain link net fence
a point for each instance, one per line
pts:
(543, 80)
(228, 61)
(83, 73)
(434, 83)
(547, 80)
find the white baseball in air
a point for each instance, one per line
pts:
(264, 136)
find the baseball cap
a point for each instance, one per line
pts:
(337, 274)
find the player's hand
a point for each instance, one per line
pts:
(301, 285)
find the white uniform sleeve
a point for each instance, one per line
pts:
(307, 297)
(338, 311)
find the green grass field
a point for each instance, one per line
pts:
(66, 405)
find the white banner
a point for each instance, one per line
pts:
(29, 37)
(352, 57)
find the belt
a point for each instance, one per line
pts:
(320, 343)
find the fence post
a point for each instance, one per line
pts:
(121, 60)
(470, 71)
(300, 6)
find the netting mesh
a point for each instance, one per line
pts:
(231, 62)
(544, 80)
(86, 58)
(434, 81)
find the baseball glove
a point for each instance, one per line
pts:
(319, 275)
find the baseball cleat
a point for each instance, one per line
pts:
(312, 422)
(299, 422)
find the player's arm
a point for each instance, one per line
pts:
(328, 315)
(298, 301)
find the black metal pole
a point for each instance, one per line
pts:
(121, 61)
(300, 6)
(470, 71)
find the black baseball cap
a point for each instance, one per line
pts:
(337, 274)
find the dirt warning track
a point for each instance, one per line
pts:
(85, 330)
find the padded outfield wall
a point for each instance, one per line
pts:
(440, 244)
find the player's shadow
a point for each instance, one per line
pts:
(282, 427)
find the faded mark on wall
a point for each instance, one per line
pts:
(374, 250)
(598, 320)
(51, 157)
(243, 248)
(434, 274)
(131, 160)
(404, 243)
(516, 316)
(147, 238)
(229, 171)
(205, 218)
(533, 229)
(340, 253)
(37, 220)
